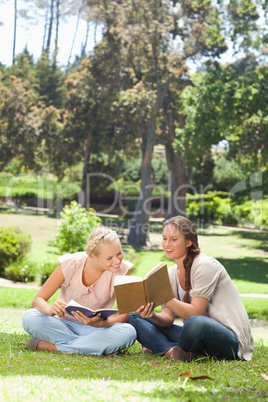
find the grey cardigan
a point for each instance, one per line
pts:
(209, 279)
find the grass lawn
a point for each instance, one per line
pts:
(131, 375)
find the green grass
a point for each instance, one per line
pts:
(256, 307)
(129, 376)
(133, 376)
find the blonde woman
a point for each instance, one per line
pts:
(86, 277)
(215, 319)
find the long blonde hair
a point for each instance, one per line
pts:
(98, 238)
(187, 228)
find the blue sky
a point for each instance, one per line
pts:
(33, 36)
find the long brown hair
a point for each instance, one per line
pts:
(187, 228)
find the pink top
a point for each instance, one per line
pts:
(100, 294)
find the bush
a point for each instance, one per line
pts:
(46, 269)
(21, 271)
(13, 246)
(75, 226)
(217, 207)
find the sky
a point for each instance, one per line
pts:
(32, 36)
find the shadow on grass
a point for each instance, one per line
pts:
(246, 269)
(261, 237)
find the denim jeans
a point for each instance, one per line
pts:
(75, 337)
(199, 334)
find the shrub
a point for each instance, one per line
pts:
(75, 226)
(46, 269)
(216, 207)
(14, 245)
(21, 271)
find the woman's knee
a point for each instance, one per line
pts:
(30, 319)
(128, 332)
(196, 324)
(133, 317)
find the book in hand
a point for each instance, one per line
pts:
(131, 292)
(74, 306)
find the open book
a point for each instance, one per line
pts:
(132, 291)
(74, 306)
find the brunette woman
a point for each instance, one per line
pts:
(215, 319)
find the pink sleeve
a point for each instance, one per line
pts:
(67, 263)
(125, 267)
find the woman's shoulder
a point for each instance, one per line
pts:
(206, 260)
(173, 268)
(80, 255)
(125, 267)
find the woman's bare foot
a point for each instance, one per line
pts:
(145, 350)
(178, 354)
(46, 346)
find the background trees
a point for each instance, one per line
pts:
(137, 91)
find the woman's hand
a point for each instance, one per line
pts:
(58, 308)
(95, 321)
(146, 311)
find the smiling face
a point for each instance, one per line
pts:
(174, 243)
(109, 257)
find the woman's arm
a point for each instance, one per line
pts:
(165, 318)
(98, 322)
(184, 310)
(48, 289)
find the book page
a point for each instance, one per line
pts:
(73, 303)
(158, 287)
(154, 269)
(121, 279)
(130, 296)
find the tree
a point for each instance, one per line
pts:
(15, 30)
(156, 38)
(228, 103)
(17, 136)
(50, 82)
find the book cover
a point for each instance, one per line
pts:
(132, 291)
(74, 306)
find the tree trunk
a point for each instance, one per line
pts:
(50, 27)
(15, 31)
(83, 50)
(177, 183)
(57, 31)
(139, 226)
(85, 170)
(75, 33)
(177, 178)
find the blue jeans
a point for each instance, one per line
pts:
(199, 334)
(75, 337)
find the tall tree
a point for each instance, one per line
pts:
(156, 38)
(228, 103)
(15, 30)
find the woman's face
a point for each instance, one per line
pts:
(110, 257)
(174, 243)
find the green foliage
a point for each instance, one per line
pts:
(219, 207)
(75, 226)
(21, 271)
(31, 185)
(46, 269)
(226, 173)
(14, 245)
